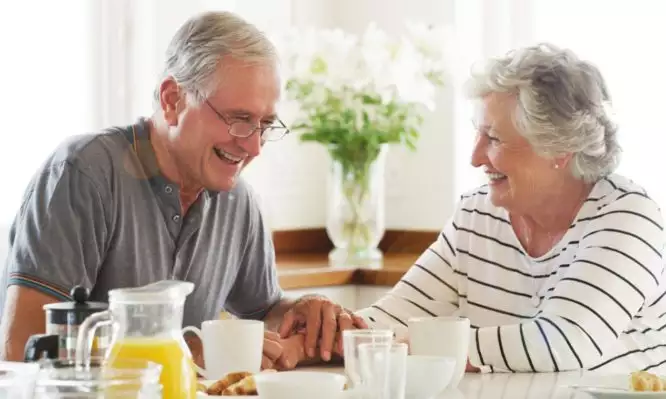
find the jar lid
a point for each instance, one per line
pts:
(76, 311)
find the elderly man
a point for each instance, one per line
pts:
(162, 199)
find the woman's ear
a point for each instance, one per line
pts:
(562, 161)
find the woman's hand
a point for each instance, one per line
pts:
(293, 352)
(272, 351)
(471, 369)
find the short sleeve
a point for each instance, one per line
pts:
(58, 238)
(256, 288)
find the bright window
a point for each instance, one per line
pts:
(625, 39)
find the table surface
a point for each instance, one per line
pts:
(513, 386)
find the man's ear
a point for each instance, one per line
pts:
(170, 100)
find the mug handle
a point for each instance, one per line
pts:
(196, 332)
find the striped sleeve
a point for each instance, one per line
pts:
(618, 265)
(428, 288)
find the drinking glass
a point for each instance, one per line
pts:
(384, 368)
(352, 339)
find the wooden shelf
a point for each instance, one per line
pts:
(304, 270)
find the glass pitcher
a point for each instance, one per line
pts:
(147, 324)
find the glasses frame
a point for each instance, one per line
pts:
(224, 119)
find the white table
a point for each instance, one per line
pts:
(518, 386)
(512, 386)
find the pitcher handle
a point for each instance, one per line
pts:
(86, 336)
(196, 332)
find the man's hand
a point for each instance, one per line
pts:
(196, 349)
(324, 322)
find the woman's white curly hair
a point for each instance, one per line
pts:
(563, 106)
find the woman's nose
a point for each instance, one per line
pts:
(479, 153)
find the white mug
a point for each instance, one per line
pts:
(230, 346)
(441, 336)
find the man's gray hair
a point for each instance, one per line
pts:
(195, 51)
(562, 106)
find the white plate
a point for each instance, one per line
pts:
(612, 387)
(208, 383)
(607, 393)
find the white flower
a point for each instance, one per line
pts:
(331, 67)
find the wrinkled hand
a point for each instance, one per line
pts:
(471, 369)
(293, 352)
(272, 350)
(324, 322)
(196, 349)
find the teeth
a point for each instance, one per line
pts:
(227, 156)
(495, 176)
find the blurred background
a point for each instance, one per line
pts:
(75, 66)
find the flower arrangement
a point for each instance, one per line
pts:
(356, 94)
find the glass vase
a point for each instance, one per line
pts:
(355, 212)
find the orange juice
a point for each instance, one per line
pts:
(178, 379)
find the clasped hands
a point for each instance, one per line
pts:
(311, 329)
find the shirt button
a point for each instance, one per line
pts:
(168, 189)
(176, 218)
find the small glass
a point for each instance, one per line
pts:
(133, 379)
(17, 380)
(352, 339)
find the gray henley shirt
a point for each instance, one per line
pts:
(98, 213)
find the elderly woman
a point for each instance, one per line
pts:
(557, 261)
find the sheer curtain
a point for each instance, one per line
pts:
(47, 69)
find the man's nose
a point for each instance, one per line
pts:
(252, 144)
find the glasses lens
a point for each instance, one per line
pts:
(274, 133)
(241, 129)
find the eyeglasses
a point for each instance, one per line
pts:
(246, 129)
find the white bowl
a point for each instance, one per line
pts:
(299, 385)
(427, 376)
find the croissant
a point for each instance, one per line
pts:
(245, 387)
(232, 378)
(643, 381)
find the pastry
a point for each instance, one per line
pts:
(643, 381)
(218, 386)
(245, 387)
(235, 384)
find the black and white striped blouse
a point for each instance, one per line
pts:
(594, 301)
